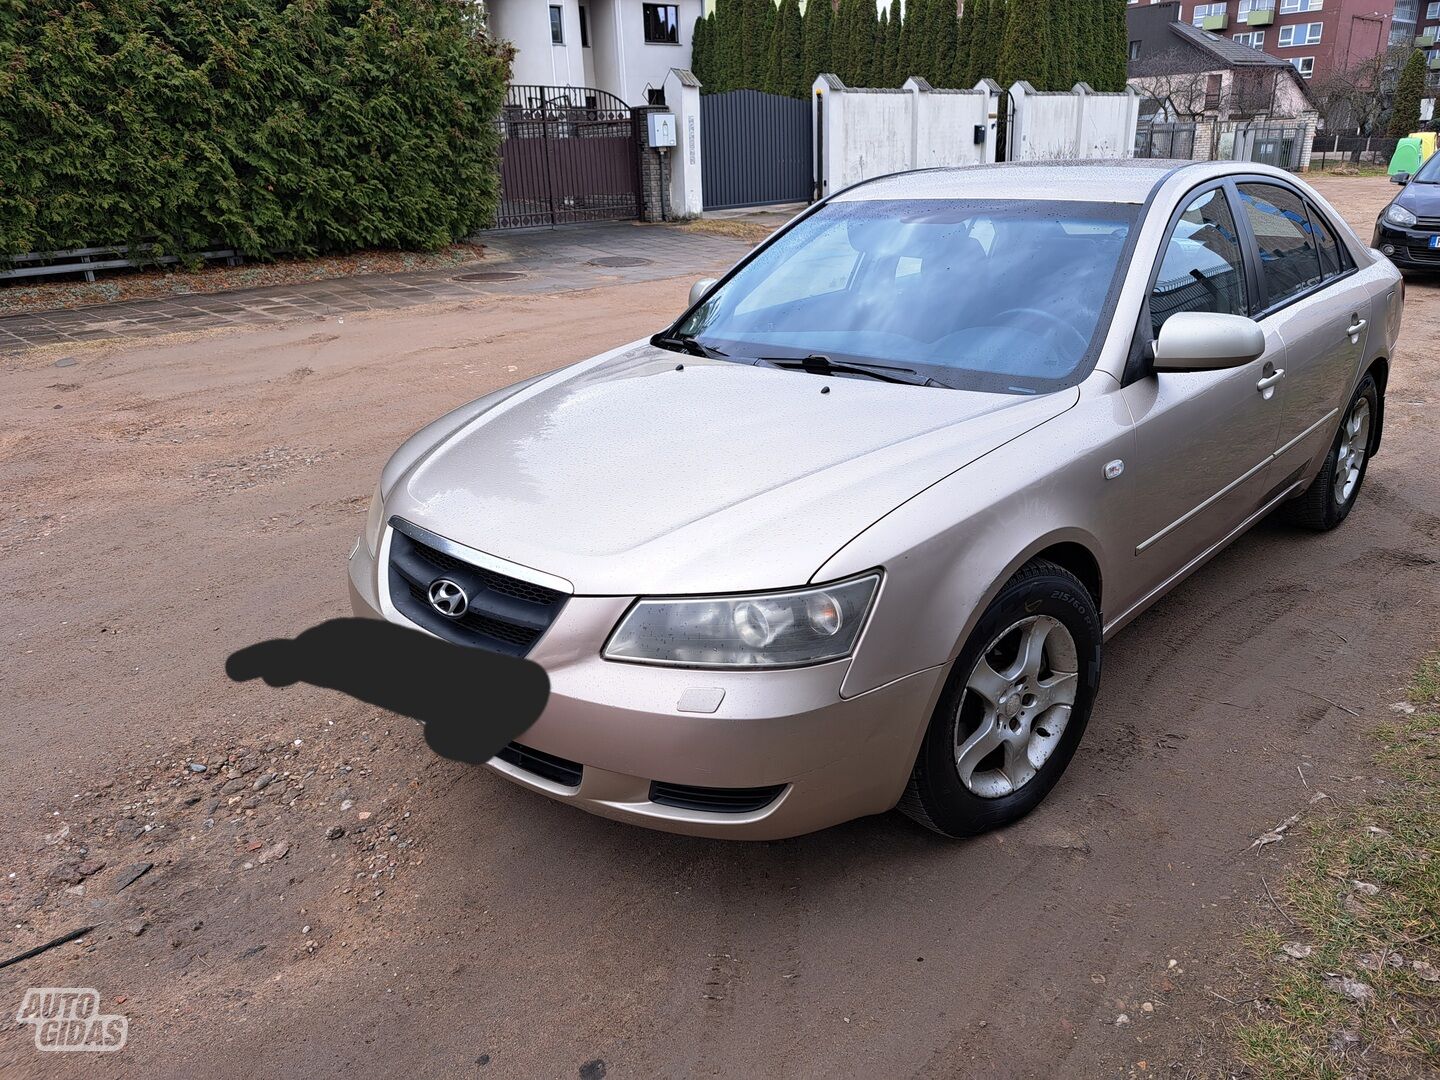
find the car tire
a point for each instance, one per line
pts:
(1331, 495)
(962, 785)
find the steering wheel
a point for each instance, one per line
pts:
(1017, 313)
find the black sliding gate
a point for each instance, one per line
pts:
(756, 149)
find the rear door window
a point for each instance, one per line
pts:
(1285, 239)
(1334, 260)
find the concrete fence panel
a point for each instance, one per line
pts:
(1056, 125)
(866, 132)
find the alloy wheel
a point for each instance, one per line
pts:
(1016, 704)
(1354, 442)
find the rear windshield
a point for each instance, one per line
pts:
(980, 295)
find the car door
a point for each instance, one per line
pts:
(1203, 438)
(1310, 297)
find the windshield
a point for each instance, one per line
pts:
(1429, 172)
(979, 295)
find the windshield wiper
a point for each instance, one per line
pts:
(687, 343)
(822, 365)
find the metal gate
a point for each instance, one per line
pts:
(1161, 140)
(1271, 144)
(1280, 145)
(567, 154)
(756, 149)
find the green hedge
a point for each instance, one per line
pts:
(263, 125)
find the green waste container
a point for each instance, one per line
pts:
(1406, 158)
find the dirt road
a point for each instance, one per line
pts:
(327, 899)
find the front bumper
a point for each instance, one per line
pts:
(1409, 249)
(832, 758)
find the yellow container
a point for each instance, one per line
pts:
(1427, 143)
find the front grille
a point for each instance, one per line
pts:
(1427, 224)
(504, 614)
(557, 770)
(1423, 253)
(714, 800)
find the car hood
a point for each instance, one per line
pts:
(646, 471)
(1421, 199)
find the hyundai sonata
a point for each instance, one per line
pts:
(850, 533)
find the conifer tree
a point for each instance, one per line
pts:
(1117, 45)
(726, 60)
(699, 44)
(862, 38)
(1042, 17)
(1063, 60)
(912, 44)
(985, 41)
(893, 76)
(787, 47)
(1405, 113)
(961, 72)
(949, 47)
(818, 38)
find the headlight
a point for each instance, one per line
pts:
(1396, 214)
(375, 522)
(805, 626)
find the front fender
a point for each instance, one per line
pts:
(947, 551)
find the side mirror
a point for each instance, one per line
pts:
(1206, 341)
(1401, 178)
(700, 288)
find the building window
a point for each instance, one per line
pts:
(1432, 11)
(1291, 7)
(1255, 39)
(557, 25)
(1135, 49)
(1305, 65)
(1300, 34)
(662, 24)
(1214, 83)
(1247, 6)
(584, 27)
(1203, 10)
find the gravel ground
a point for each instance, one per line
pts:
(322, 896)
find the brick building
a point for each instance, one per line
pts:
(1318, 37)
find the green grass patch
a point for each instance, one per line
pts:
(1363, 1000)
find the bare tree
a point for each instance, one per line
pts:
(1359, 98)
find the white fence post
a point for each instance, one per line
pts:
(990, 117)
(682, 97)
(827, 102)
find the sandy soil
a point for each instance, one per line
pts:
(327, 898)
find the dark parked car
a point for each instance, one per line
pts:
(1408, 230)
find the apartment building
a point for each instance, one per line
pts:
(1317, 36)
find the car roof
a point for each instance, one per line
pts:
(1129, 180)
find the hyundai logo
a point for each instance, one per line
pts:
(448, 598)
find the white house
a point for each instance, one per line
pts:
(625, 47)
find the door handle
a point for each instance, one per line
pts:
(1355, 327)
(1270, 380)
